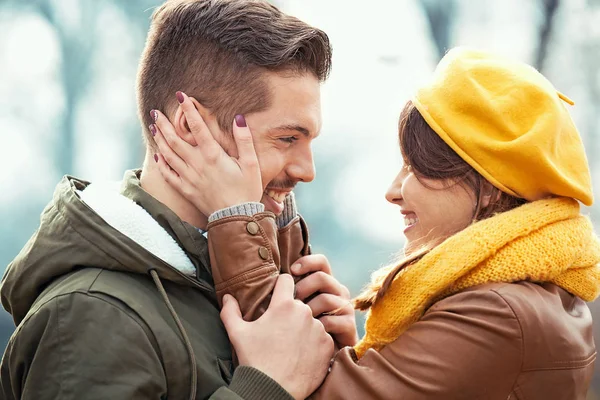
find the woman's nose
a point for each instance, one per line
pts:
(394, 192)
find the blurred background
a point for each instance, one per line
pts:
(67, 103)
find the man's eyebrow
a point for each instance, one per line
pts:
(296, 128)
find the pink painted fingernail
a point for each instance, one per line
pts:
(180, 97)
(154, 115)
(240, 121)
(156, 158)
(153, 129)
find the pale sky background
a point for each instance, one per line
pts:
(381, 54)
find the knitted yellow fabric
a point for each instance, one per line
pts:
(542, 241)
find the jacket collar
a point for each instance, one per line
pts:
(188, 237)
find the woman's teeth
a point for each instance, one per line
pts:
(408, 221)
(277, 196)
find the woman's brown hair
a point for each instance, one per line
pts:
(432, 159)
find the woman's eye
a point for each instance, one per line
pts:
(290, 139)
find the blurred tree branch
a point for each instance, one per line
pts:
(77, 48)
(440, 15)
(549, 8)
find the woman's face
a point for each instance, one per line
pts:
(432, 210)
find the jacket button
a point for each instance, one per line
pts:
(263, 252)
(252, 228)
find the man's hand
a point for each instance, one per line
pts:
(328, 299)
(286, 342)
(205, 174)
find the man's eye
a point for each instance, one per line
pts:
(290, 139)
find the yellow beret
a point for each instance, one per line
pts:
(509, 123)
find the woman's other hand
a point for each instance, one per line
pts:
(328, 299)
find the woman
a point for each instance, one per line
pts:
(489, 301)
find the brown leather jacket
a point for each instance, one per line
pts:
(495, 341)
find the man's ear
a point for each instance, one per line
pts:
(181, 125)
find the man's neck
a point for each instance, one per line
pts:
(153, 183)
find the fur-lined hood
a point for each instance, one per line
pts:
(92, 225)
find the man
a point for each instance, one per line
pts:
(113, 295)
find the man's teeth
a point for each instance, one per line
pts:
(408, 221)
(277, 196)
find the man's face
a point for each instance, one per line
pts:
(283, 135)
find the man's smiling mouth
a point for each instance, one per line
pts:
(275, 195)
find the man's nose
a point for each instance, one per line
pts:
(302, 167)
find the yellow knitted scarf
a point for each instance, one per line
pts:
(542, 241)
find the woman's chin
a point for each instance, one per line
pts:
(410, 235)
(413, 244)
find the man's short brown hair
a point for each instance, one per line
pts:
(218, 50)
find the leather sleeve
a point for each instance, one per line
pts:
(468, 346)
(247, 253)
(292, 243)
